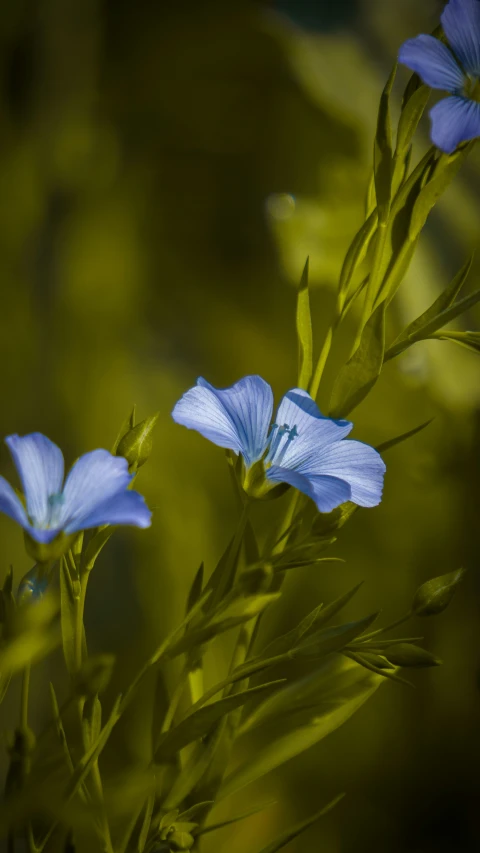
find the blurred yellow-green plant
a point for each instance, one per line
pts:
(165, 175)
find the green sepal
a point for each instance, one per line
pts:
(47, 552)
(434, 596)
(127, 425)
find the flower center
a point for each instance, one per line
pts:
(55, 503)
(280, 439)
(471, 88)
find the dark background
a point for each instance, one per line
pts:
(165, 168)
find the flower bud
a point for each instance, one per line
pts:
(94, 675)
(32, 586)
(406, 654)
(136, 444)
(436, 594)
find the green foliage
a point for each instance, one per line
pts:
(206, 744)
(359, 375)
(304, 332)
(297, 830)
(299, 716)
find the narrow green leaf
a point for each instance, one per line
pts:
(358, 250)
(409, 118)
(330, 610)
(212, 827)
(304, 331)
(297, 830)
(195, 767)
(386, 445)
(196, 588)
(223, 619)
(300, 715)
(199, 723)
(291, 639)
(334, 639)
(147, 819)
(358, 376)
(95, 546)
(67, 616)
(444, 301)
(445, 170)
(383, 151)
(469, 340)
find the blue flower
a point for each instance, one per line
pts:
(94, 493)
(455, 119)
(301, 448)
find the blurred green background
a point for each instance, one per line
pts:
(165, 168)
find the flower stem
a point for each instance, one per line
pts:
(366, 637)
(24, 698)
(80, 610)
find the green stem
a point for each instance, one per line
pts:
(79, 614)
(322, 360)
(24, 698)
(366, 637)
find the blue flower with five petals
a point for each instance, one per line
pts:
(94, 493)
(302, 448)
(455, 119)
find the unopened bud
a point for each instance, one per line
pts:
(406, 654)
(436, 594)
(136, 444)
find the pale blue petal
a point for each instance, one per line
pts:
(11, 505)
(94, 479)
(434, 62)
(358, 464)
(461, 23)
(237, 418)
(39, 463)
(312, 429)
(125, 508)
(327, 492)
(454, 120)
